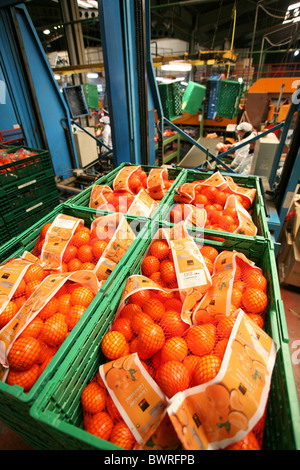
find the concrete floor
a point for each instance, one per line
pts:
(291, 299)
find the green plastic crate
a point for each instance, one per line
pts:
(15, 173)
(193, 97)
(58, 408)
(258, 209)
(82, 199)
(171, 99)
(230, 95)
(15, 404)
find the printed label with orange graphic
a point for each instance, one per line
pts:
(138, 398)
(57, 238)
(224, 410)
(246, 225)
(143, 205)
(156, 179)
(123, 237)
(34, 304)
(120, 182)
(247, 193)
(217, 300)
(98, 196)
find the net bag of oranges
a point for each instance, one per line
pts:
(66, 245)
(226, 204)
(31, 339)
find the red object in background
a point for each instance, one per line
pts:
(269, 126)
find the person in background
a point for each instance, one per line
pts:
(243, 157)
(106, 134)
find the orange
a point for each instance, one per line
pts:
(134, 182)
(80, 238)
(88, 266)
(174, 349)
(209, 264)
(172, 324)
(200, 200)
(124, 326)
(93, 398)
(220, 347)
(25, 379)
(177, 214)
(248, 443)
(139, 321)
(101, 425)
(74, 315)
(159, 249)
(150, 265)
(129, 310)
(168, 273)
(46, 352)
(240, 285)
(98, 248)
(154, 308)
(34, 272)
(50, 309)
(19, 301)
(23, 353)
(31, 287)
(201, 339)
(8, 313)
(257, 280)
(85, 254)
(113, 345)
(209, 252)
(82, 296)
(226, 221)
(20, 290)
(140, 297)
(224, 327)
(173, 377)
(236, 297)
(74, 265)
(64, 303)
(122, 436)
(69, 253)
(45, 230)
(33, 329)
(151, 338)
(207, 368)
(230, 211)
(55, 330)
(254, 300)
(190, 362)
(221, 197)
(210, 192)
(258, 319)
(111, 408)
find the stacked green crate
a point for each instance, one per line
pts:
(58, 408)
(27, 191)
(15, 403)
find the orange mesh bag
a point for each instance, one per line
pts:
(32, 337)
(131, 179)
(158, 183)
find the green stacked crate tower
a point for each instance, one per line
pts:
(28, 192)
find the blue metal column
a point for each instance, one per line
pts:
(34, 93)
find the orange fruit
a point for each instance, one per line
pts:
(82, 296)
(209, 264)
(240, 285)
(151, 338)
(248, 443)
(254, 300)
(150, 265)
(139, 321)
(80, 238)
(33, 329)
(34, 272)
(124, 326)
(31, 287)
(50, 309)
(168, 273)
(100, 425)
(74, 265)
(129, 310)
(258, 319)
(220, 347)
(209, 252)
(221, 197)
(174, 349)
(8, 313)
(190, 362)
(236, 297)
(201, 339)
(230, 211)
(46, 352)
(88, 266)
(23, 353)
(93, 398)
(20, 290)
(55, 330)
(98, 248)
(45, 230)
(81, 228)
(257, 280)
(122, 436)
(210, 192)
(113, 345)
(159, 249)
(172, 324)
(111, 408)
(173, 377)
(154, 308)
(25, 379)
(177, 214)
(140, 297)
(200, 200)
(69, 253)
(224, 327)
(134, 182)
(75, 313)
(64, 303)
(85, 254)
(19, 301)
(173, 304)
(207, 368)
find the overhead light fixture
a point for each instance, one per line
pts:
(57, 77)
(92, 75)
(292, 14)
(179, 67)
(93, 3)
(46, 31)
(84, 4)
(296, 52)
